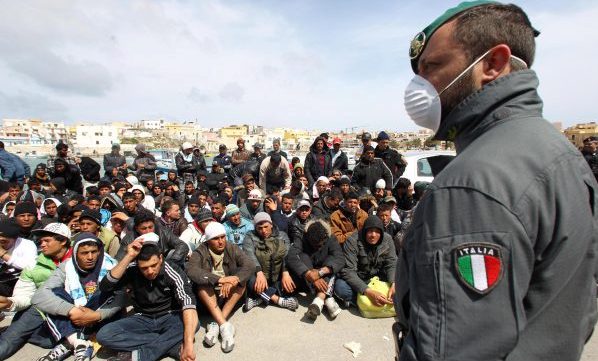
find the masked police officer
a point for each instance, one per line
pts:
(500, 260)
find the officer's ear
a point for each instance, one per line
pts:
(495, 64)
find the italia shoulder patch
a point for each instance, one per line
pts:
(479, 265)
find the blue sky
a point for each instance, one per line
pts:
(311, 64)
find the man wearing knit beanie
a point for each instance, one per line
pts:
(194, 234)
(220, 269)
(25, 214)
(236, 225)
(267, 247)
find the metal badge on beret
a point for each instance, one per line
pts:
(417, 45)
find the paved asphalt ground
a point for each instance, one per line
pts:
(274, 334)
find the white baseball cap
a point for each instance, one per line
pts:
(186, 146)
(255, 194)
(60, 229)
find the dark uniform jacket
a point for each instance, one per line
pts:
(235, 263)
(303, 256)
(517, 188)
(364, 261)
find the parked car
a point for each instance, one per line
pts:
(420, 167)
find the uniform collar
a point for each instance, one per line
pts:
(508, 96)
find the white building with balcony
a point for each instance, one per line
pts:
(96, 136)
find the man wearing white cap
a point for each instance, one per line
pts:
(220, 269)
(253, 205)
(187, 164)
(54, 243)
(268, 247)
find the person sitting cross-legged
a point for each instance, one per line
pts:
(315, 259)
(220, 269)
(165, 319)
(268, 247)
(72, 301)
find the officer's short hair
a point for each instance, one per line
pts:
(483, 27)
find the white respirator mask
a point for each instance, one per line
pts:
(422, 101)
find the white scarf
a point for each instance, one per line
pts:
(186, 158)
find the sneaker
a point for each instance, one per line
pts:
(252, 302)
(58, 353)
(212, 332)
(333, 307)
(83, 351)
(289, 303)
(121, 356)
(227, 331)
(314, 309)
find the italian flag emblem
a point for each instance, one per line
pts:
(479, 266)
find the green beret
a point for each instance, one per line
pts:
(419, 42)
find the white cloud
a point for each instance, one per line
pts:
(223, 62)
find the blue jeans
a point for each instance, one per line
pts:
(344, 292)
(27, 326)
(151, 337)
(61, 326)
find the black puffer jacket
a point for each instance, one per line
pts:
(330, 254)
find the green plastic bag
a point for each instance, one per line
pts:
(368, 309)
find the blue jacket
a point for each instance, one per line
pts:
(236, 234)
(13, 168)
